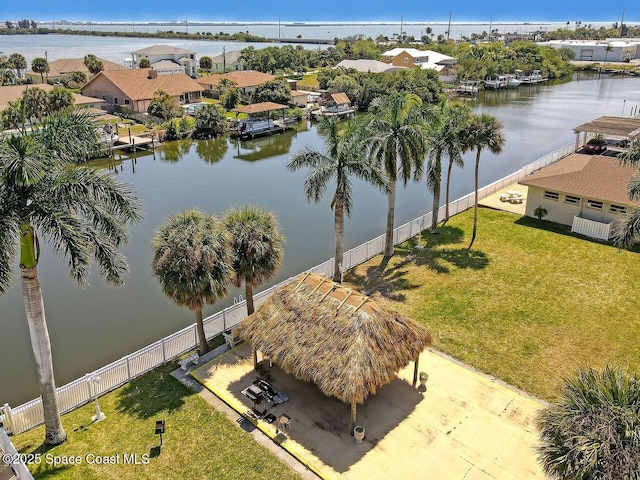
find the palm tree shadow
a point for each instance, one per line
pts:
(151, 394)
(389, 279)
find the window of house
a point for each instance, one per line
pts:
(388, 58)
(571, 199)
(551, 195)
(115, 100)
(406, 59)
(617, 209)
(126, 101)
(594, 204)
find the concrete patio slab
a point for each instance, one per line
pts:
(465, 426)
(494, 202)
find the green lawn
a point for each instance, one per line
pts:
(200, 443)
(529, 304)
(308, 80)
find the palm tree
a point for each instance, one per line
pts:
(40, 65)
(593, 431)
(80, 212)
(398, 144)
(608, 48)
(344, 158)
(256, 246)
(627, 232)
(193, 263)
(483, 131)
(446, 124)
(18, 62)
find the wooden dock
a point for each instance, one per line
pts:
(132, 142)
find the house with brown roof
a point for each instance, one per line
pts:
(62, 69)
(157, 53)
(10, 93)
(586, 192)
(246, 81)
(413, 58)
(134, 89)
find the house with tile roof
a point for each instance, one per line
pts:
(63, 68)
(168, 67)
(157, 53)
(134, 88)
(10, 93)
(413, 58)
(246, 80)
(586, 192)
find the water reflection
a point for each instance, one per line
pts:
(266, 147)
(212, 150)
(174, 151)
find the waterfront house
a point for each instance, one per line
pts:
(134, 89)
(586, 192)
(299, 98)
(157, 53)
(10, 93)
(245, 80)
(63, 68)
(413, 58)
(227, 61)
(596, 50)
(368, 66)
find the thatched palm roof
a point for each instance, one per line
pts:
(342, 341)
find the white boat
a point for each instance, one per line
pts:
(513, 81)
(535, 77)
(495, 83)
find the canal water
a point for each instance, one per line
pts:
(93, 326)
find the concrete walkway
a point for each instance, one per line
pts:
(465, 426)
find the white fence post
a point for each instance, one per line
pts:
(7, 417)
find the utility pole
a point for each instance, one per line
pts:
(186, 24)
(449, 26)
(491, 26)
(401, 23)
(621, 23)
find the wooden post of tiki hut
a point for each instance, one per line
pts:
(342, 341)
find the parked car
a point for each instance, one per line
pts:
(595, 145)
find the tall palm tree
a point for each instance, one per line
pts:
(398, 144)
(256, 246)
(593, 431)
(483, 131)
(80, 212)
(193, 263)
(345, 157)
(445, 137)
(40, 65)
(627, 232)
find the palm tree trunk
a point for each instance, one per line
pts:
(248, 292)
(202, 339)
(34, 307)
(338, 226)
(475, 206)
(391, 201)
(446, 194)
(436, 202)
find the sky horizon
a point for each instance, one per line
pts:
(587, 11)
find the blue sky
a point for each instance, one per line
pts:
(324, 10)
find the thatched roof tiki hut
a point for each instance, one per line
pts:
(341, 340)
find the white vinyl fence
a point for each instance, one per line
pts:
(9, 451)
(79, 392)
